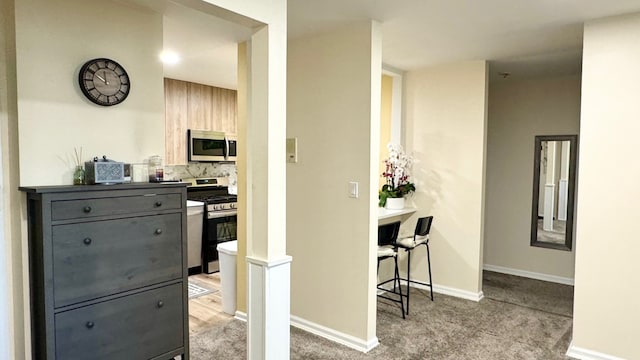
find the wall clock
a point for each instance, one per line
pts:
(104, 82)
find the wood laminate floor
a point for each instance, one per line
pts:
(206, 310)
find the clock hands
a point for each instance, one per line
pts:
(103, 79)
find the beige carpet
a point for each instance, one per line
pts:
(518, 319)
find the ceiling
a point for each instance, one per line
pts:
(524, 38)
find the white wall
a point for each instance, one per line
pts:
(333, 108)
(446, 130)
(606, 317)
(518, 111)
(54, 39)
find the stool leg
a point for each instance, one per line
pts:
(397, 275)
(408, 277)
(429, 266)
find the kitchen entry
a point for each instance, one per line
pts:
(211, 220)
(219, 222)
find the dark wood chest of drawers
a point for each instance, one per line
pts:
(108, 271)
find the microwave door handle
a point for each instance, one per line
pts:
(226, 150)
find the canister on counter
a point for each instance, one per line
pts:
(156, 171)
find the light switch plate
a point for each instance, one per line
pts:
(292, 150)
(353, 189)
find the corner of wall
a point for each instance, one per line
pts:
(13, 305)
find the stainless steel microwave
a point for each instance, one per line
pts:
(207, 145)
(211, 146)
(232, 147)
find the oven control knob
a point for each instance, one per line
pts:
(233, 205)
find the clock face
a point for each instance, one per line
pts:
(104, 82)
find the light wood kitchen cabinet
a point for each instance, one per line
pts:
(195, 106)
(225, 114)
(200, 107)
(176, 125)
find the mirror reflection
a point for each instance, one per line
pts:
(553, 191)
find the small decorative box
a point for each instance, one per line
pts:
(104, 172)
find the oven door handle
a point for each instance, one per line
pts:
(221, 214)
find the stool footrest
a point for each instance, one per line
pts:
(416, 282)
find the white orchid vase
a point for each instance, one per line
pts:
(396, 174)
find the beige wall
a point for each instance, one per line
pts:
(331, 236)
(606, 316)
(12, 305)
(518, 111)
(445, 128)
(54, 39)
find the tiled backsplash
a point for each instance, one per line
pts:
(200, 170)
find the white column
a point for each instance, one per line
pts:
(547, 222)
(268, 308)
(268, 266)
(563, 190)
(549, 187)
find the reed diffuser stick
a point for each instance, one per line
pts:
(78, 156)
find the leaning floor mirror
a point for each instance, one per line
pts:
(554, 179)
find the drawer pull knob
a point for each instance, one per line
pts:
(158, 203)
(87, 241)
(87, 209)
(160, 304)
(89, 324)
(158, 231)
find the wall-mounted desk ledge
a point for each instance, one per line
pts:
(386, 213)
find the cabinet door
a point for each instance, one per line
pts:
(176, 125)
(138, 326)
(200, 107)
(225, 110)
(95, 259)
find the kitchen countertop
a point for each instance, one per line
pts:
(386, 213)
(193, 203)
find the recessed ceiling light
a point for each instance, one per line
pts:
(169, 57)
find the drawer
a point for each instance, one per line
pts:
(100, 258)
(139, 326)
(73, 209)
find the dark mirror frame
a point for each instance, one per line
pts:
(573, 151)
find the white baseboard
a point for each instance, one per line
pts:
(325, 332)
(585, 354)
(455, 292)
(529, 274)
(445, 290)
(242, 316)
(335, 336)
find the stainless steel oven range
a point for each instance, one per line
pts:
(220, 219)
